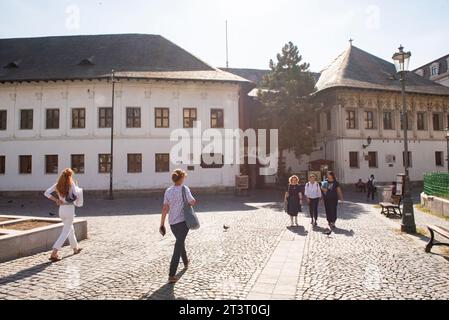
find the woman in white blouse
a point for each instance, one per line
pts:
(313, 195)
(64, 194)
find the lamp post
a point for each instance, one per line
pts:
(325, 147)
(402, 61)
(111, 190)
(447, 139)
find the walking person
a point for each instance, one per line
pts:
(371, 187)
(174, 208)
(313, 195)
(332, 193)
(293, 199)
(65, 194)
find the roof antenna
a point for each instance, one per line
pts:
(227, 46)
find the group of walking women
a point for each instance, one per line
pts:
(313, 192)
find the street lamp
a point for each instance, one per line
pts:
(402, 60)
(447, 139)
(325, 147)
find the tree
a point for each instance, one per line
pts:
(286, 102)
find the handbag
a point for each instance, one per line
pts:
(189, 214)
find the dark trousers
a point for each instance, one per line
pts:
(331, 209)
(371, 192)
(313, 208)
(180, 232)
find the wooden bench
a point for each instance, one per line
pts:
(441, 231)
(393, 207)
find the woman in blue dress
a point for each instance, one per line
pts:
(293, 199)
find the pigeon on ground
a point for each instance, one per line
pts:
(226, 228)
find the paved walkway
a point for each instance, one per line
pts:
(257, 258)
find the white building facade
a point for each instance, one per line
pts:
(47, 126)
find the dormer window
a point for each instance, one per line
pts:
(434, 69)
(87, 62)
(13, 64)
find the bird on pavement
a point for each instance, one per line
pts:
(226, 228)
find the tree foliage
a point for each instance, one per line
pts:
(286, 101)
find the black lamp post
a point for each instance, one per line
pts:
(447, 139)
(402, 61)
(325, 147)
(111, 190)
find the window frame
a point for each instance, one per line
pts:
(351, 120)
(203, 164)
(388, 120)
(29, 170)
(26, 121)
(421, 116)
(105, 118)
(2, 164)
(440, 121)
(104, 167)
(356, 153)
(370, 120)
(134, 120)
(189, 118)
(370, 158)
(50, 119)
(3, 120)
(439, 161)
(48, 164)
(131, 165)
(215, 112)
(164, 115)
(78, 117)
(165, 166)
(76, 169)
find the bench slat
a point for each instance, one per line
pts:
(440, 230)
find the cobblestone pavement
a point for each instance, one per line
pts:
(126, 258)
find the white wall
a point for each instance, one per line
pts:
(92, 141)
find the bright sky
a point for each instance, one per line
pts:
(257, 28)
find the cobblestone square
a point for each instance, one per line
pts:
(257, 258)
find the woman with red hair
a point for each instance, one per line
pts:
(64, 194)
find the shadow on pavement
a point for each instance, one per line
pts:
(299, 230)
(166, 292)
(26, 273)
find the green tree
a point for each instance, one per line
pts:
(286, 103)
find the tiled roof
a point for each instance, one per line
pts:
(356, 68)
(94, 56)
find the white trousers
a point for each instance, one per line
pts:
(67, 215)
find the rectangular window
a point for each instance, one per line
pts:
(189, 117)
(217, 118)
(3, 117)
(26, 119)
(104, 163)
(439, 159)
(421, 121)
(410, 162)
(133, 117)
(212, 161)
(162, 117)
(409, 121)
(25, 164)
(369, 120)
(52, 119)
(134, 163)
(79, 118)
(437, 121)
(388, 121)
(350, 119)
(104, 118)
(78, 163)
(2, 164)
(162, 162)
(353, 159)
(51, 164)
(329, 120)
(372, 159)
